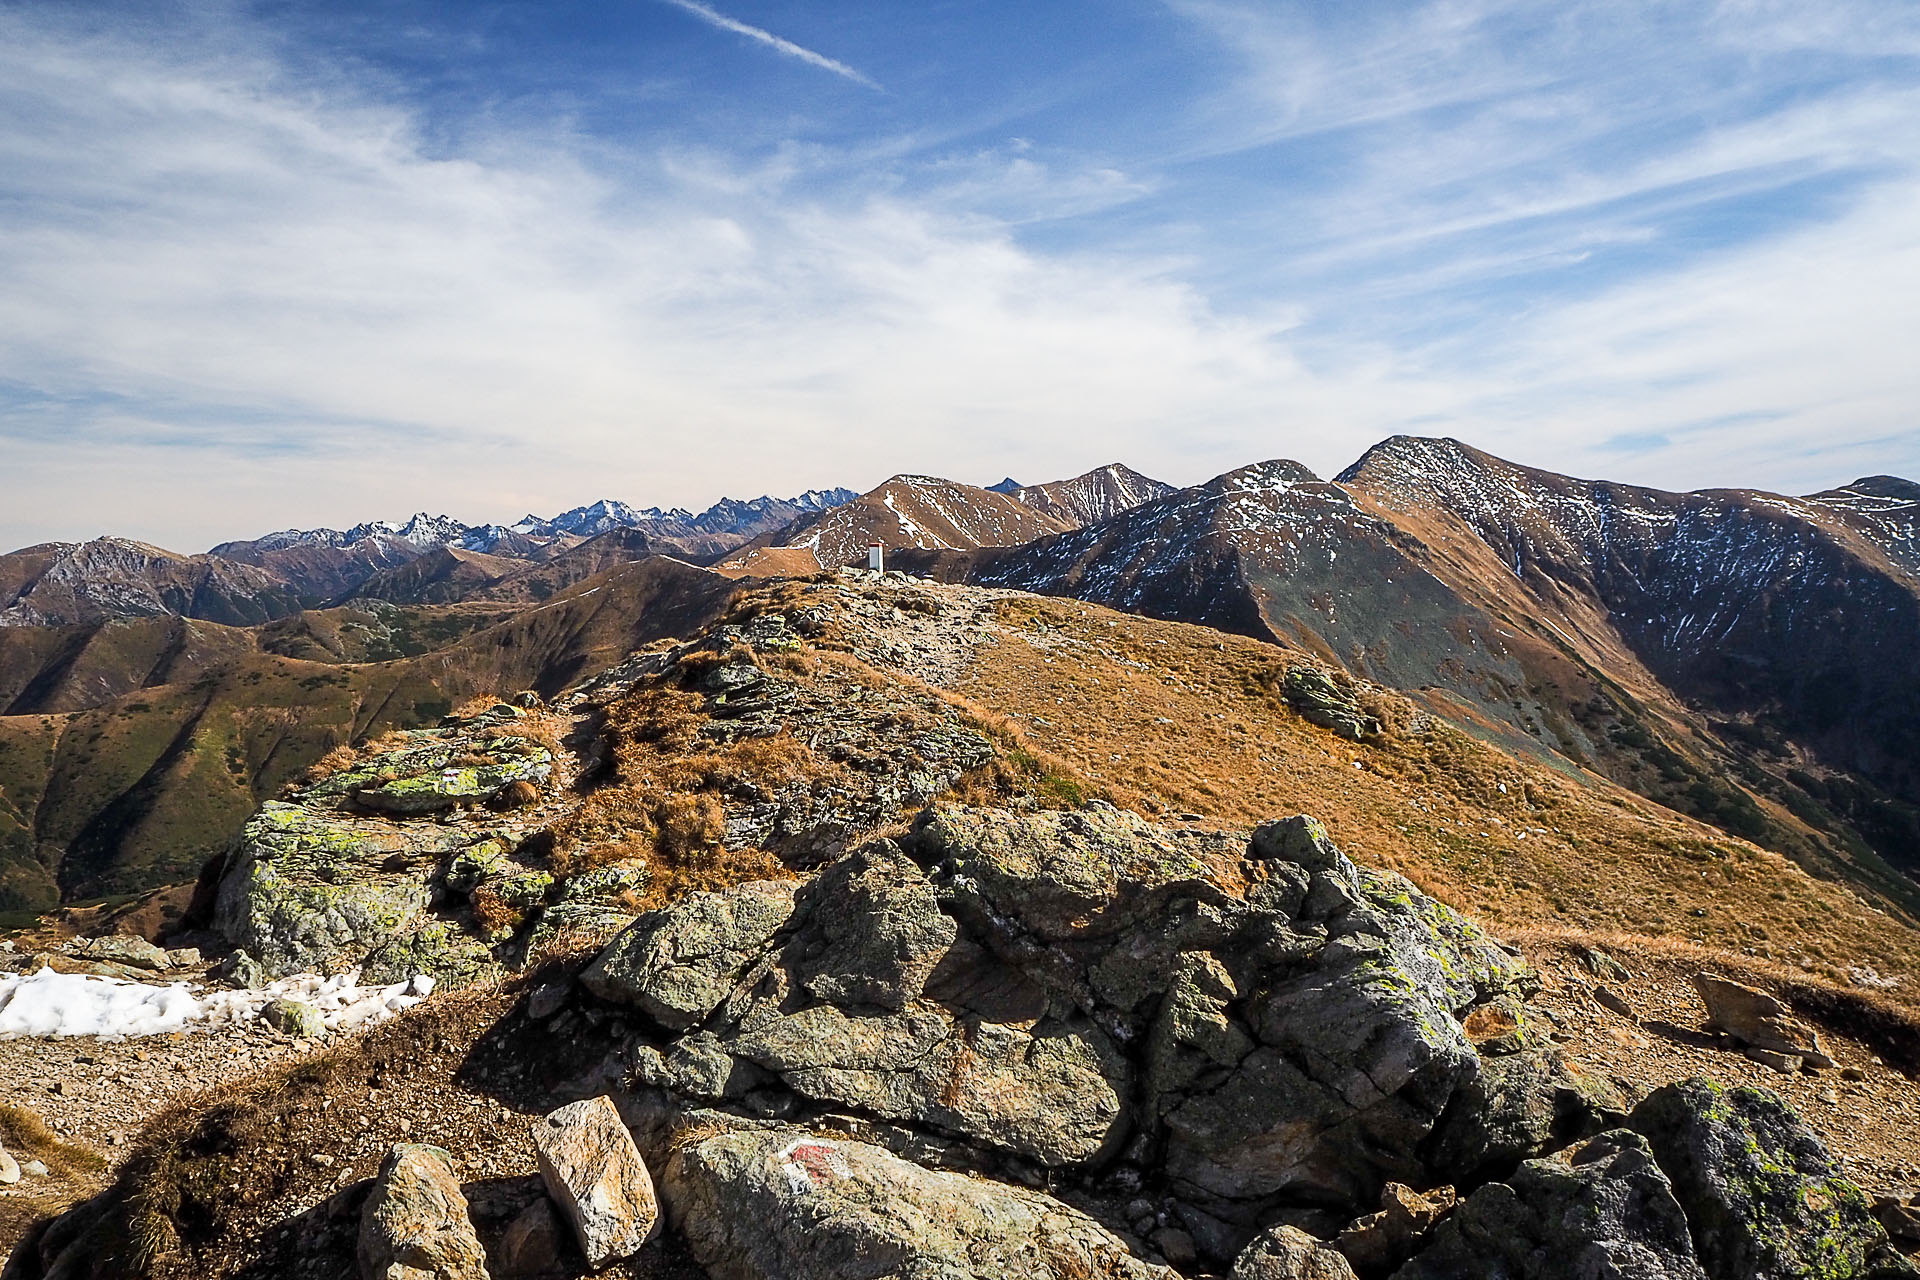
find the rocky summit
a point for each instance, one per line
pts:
(872, 927)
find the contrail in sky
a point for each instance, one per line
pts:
(788, 47)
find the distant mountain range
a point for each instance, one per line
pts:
(1749, 659)
(248, 582)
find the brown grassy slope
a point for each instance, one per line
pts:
(139, 791)
(1165, 717)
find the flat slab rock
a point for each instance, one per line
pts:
(594, 1172)
(783, 1204)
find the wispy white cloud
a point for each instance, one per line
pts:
(714, 17)
(241, 297)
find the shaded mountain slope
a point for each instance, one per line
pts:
(1883, 509)
(1517, 630)
(1792, 629)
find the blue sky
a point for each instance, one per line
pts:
(295, 264)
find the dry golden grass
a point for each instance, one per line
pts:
(1165, 717)
(663, 805)
(27, 1136)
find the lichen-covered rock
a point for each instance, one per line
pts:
(595, 1174)
(781, 1202)
(872, 931)
(307, 891)
(1277, 1025)
(483, 861)
(294, 1017)
(1603, 1211)
(123, 949)
(414, 1225)
(678, 963)
(1517, 1106)
(1763, 1197)
(435, 772)
(1313, 694)
(440, 949)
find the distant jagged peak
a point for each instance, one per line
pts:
(824, 499)
(1094, 495)
(1007, 486)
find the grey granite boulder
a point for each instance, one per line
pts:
(784, 1204)
(678, 963)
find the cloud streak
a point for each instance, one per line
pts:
(713, 17)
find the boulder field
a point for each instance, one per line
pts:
(1057, 1044)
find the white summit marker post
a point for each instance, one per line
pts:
(876, 557)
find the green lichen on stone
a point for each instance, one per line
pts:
(1763, 1195)
(440, 949)
(309, 891)
(432, 782)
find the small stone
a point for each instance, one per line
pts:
(546, 1001)
(1176, 1246)
(1782, 1062)
(9, 1168)
(184, 958)
(595, 1174)
(532, 1243)
(1608, 999)
(294, 1017)
(1852, 1073)
(34, 1168)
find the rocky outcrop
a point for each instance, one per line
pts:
(1252, 1022)
(594, 1173)
(1764, 1199)
(414, 1224)
(393, 866)
(778, 1201)
(1320, 701)
(1758, 1021)
(679, 963)
(1604, 1211)
(852, 727)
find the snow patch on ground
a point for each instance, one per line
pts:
(71, 1004)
